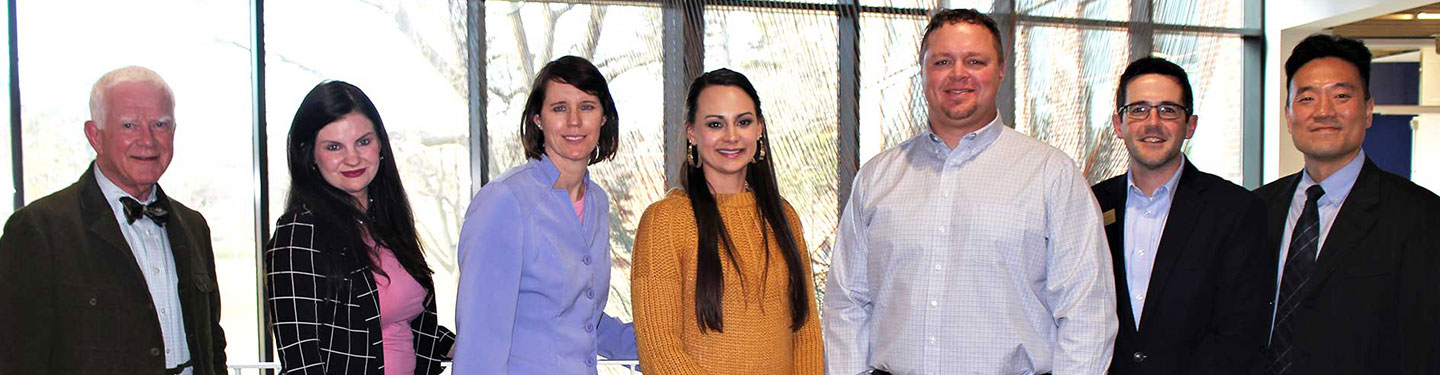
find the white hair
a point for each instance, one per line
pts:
(116, 77)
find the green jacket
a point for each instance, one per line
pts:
(73, 300)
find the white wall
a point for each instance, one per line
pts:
(1287, 22)
(1426, 145)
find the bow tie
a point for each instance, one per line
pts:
(158, 210)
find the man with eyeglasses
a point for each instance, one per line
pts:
(1192, 275)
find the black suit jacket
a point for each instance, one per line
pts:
(329, 326)
(1207, 309)
(73, 299)
(1370, 306)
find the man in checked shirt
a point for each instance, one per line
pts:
(970, 248)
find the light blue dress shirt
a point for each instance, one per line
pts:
(1337, 187)
(534, 279)
(988, 258)
(1145, 218)
(150, 244)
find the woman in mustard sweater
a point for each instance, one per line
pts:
(721, 281)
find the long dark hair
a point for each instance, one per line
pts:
(710, 280)
(388, 218)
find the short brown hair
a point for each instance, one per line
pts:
(970, 16)
(578, 72)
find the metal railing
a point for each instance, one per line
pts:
(257, 368)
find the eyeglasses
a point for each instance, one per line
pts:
(1141, 111)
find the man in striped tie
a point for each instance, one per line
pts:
(1357, 245)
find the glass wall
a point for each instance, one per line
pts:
(202, 49)
(415, 60)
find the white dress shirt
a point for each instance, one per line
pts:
(150, 244)
(1145, 218)
(986, 259)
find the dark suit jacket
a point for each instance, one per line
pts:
(1207, 305)
(73, 300)
(321, 330)
(1370, 306)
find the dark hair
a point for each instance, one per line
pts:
(710, 278)
(387, 218)
(953, 16)
(578, 72)
(1156, 65)
(1318, 46)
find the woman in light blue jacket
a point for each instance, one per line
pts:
(535, 247)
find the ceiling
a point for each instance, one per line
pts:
(1395, 25)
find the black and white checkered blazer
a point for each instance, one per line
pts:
(319, 331)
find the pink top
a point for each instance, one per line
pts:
(401, 300)
(579, 208)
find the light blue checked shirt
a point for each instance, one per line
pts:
(986, 259)
(1145, 218)
(150, 244)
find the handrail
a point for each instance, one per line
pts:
(240, 368)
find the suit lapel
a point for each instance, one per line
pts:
(1185, 206)
(1113, 200)
(1279, 209)
(100, 222)
(1354, 220)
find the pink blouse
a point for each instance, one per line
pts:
(401, 300)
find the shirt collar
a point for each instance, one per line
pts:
(552, 173)
(113, 192)
(972, 143)
(1163, 190)
(1338, 185)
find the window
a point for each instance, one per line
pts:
(202, 50)
(623, 43)
(1065, 92)
(892, 105)
(790, 57)
(1209, 60)
(409, 59)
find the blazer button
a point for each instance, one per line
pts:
(93, 302)
(1138, 357)
(155, 351)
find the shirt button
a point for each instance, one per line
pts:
(155, 352)
(942, 229)
(590, 293)
(1140, 296)
(589, 328)
(1142, 253)
(585, 260)
(589, 361)
(1148, 212)
(934, 303)
(939, 267)
(932, 340)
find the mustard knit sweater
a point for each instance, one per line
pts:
(757, 337)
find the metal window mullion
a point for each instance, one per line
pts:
(1141, 30)
(260, 170)
(1006, 20)
(17, 149)
(682, 44)
(1252, 141)
(475, 53)
(848, 101)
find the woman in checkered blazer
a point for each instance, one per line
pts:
(346, 284)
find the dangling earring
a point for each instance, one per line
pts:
(760, 144)
(691, 153)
